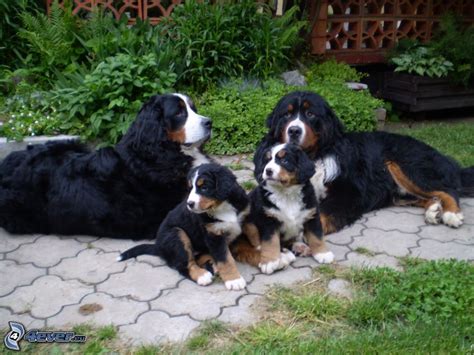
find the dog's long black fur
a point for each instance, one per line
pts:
(363, 182)
(122, 191)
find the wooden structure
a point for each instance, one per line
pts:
(414, 93)
(361, 31)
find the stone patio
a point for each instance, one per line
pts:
(51, 281)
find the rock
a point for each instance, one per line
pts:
(340, 288)
(294, 78)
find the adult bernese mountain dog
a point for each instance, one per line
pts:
(123, 191)
(204, 223)
(284, 211)
(360, 172)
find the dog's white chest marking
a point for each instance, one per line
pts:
(230, 220)
(198, 157)
(327, 170)
(291, 210)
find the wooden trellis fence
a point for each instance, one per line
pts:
(361, 31)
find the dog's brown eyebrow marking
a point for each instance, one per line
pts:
(200, 182)
(281, 153)
(290, 108)
(182, 103)
(305, 104)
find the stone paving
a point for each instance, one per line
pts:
(52, 281)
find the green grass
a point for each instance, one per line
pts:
(248, 185)
(236, 166)
(455, 140)
(364, 251)
(208, 331)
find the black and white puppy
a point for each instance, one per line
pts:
(121, 192)
(364, 171)
(284, 209)
(204, 223)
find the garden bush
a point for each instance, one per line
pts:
(102, 104)
(333, 71)
(214, 42)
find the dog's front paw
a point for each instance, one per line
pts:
(324, 258)
(301, 249)
(205, 279)
(453, 219)
(270, 267)
(236, 285)
(433, 213)
(286, 258)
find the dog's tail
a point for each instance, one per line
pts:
(467, 181)
(142, 249)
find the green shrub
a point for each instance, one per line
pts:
(101, 105)
(455, 42)
(425, 292)
(215, 42)
(28, 113)
(422, 61)
(333, 71)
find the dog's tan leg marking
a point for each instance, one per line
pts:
(270, 250)
(318, 248)
(196, 273)
(245, 252)
(438, 203)
(251, 232)
(230, 274)
(327, 224)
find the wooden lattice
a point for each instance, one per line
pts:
(153, 10)
(361, 31)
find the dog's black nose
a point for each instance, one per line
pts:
(269, 171)
(294, 131)
(206, 122)
(191, 204)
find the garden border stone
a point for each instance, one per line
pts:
(6, 146)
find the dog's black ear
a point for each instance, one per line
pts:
(306, 167)
(332, 128)
(148, 129)
(259, 159)
(225, 183)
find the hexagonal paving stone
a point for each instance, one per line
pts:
(141, 281)
(149, 259)
(467, 202)
(244, 313)
(200, 302)
(46, 296)
(86, 239)
(117, 245)
(285, 277)
(157, 327)
(14, 275)
(359, 260)
(407, 209)
(432, 249)
(99, 309)
(9, 242)
(46, 251)
(403, 222)
(90, 266)
(393, 243)
(27, 321)
(345, 235)
(442, 233)
(247, 271)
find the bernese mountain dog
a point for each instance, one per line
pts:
(360, 172)
(284, 211)
(203, 224)
(123, 191)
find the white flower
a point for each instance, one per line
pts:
(30, 129)
(33, 133)
(13, 116)
(30, 114)
(36, 122)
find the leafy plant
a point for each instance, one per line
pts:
(333, 71)
(422, 61)
(214, 42)
(101, 105)
(455, 42)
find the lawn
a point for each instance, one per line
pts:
(455, 140)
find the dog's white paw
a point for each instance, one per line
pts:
(453, 219)
(286, 258)
(205, 279)
(433, 213)
(324, 258)
(237, 284)
(270, 267)
(301, 249)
